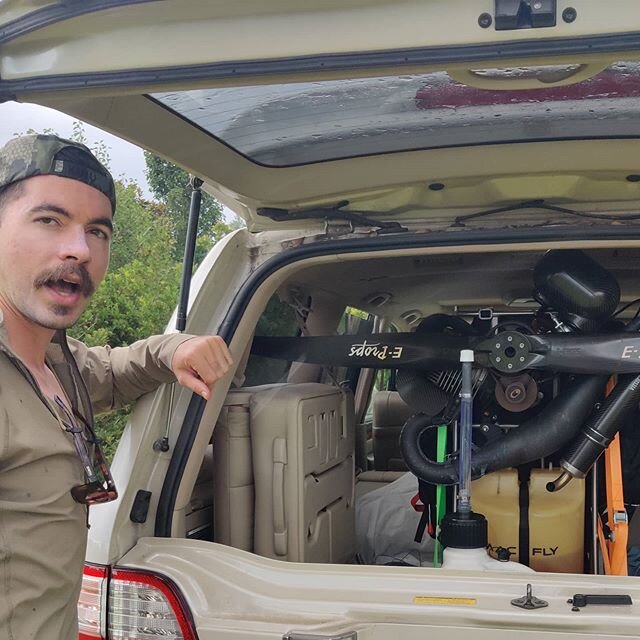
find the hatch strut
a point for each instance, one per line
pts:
(162, 444)
(336, 212)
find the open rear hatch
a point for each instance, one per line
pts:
(291, 113)
(384, 117)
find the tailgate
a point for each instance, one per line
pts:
(236, 595)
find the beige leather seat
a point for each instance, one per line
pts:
(369, 481)
(390, 413)
(233, 470)
(288, 450)
(199, 516)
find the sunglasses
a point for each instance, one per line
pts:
(99, 486)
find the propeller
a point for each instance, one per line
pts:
(506, 352)
(420, 351)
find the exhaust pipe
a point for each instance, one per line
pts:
(598, 432)
(540, 436)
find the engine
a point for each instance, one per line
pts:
(523, 414)
(527, 420)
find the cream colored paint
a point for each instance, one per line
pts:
(234, 593)
(203, 32)
(589, 173)
(136, 465)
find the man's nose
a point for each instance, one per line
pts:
(75, 246)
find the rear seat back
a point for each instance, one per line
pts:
(390, 412)
(199, 516)
(233, 470)
(288, 449)
(303, 446)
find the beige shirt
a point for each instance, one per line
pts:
(42, 529)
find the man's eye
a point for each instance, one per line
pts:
(47, 220)
(100, 233)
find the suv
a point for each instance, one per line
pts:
(418, 179)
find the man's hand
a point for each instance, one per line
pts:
(201, 361)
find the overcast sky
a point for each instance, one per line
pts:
(126, 159)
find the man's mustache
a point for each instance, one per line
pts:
(75, 271)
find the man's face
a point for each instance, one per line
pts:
(55, 237)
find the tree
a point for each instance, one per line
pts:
(170, 185)
(100, 149)
(141, 288)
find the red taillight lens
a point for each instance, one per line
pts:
(92, 603)
(143, 605)
(138, 604)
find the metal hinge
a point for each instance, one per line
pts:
(333, 228)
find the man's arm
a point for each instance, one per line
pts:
(120, 375)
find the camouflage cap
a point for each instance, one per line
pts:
(39, 154)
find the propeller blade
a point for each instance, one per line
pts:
(512, 352)
(425, 352)
(604, 354)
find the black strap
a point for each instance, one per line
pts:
(427, 522)
(524, 475)
(422, 525)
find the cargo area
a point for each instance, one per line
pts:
(305, 463)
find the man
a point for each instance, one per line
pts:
(56, 208)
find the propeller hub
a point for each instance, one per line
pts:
(509, 352)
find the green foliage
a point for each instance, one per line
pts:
(109, 428)
(139, 292)
(278, 319)
(170, 185)
(163, 176)
(99, 149)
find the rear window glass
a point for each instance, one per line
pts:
(300, 123)
(278, 319)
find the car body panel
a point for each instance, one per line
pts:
(69, 59)
(214, 284)
(109, 36)
(234, 594)
(478, 177)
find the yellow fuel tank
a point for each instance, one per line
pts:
(555, 521)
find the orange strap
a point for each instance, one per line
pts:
(614, 550)
(616, 512)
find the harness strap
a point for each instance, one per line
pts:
(616, 512)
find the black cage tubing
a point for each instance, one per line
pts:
(186, 437)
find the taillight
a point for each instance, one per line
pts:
(146, 605)
(140, 605)
(92, 603)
